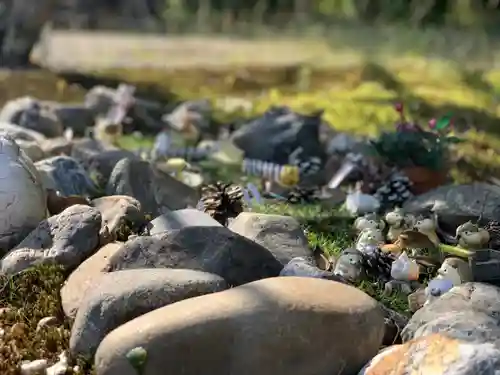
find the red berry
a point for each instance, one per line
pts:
(398, 107)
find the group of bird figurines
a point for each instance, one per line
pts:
(404, 252)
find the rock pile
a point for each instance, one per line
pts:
(154, 283)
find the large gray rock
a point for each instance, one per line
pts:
(278, 326)
(144, 115)
(75, 116)
(211, 249)
(281, 235)
(437, 355)
(394, 322)
(32, 149)
(23, 200)
(86, 278)
(30, 113)
(306, 267)
(121, 214)
(19, 133)
(477, 199)
(30, 141)
(157, 191)
(66, 239)
(469, 312)
(57, 146)
(276, 134)
(180, 219)
(99, 159)
(66, 175)
(124, 295)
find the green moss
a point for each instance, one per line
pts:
(27, 298)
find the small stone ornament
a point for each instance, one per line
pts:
(368, 240)
(357, 203)
(405, 273)
(396, 221)
(417, 243)
(453, 272)
(369, 221)
(427, 226)
(350, 266)
(471, 237)
(436, 288)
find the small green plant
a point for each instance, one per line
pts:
(137, 358)
(412, 146)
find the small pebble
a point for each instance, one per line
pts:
(59, 368)
(34, 367)
(46, 322)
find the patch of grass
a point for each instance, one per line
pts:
(25, 299)
(332, 231)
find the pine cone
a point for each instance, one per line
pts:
(378, 265)
(302, 195)
(394, 192)
(222, 201)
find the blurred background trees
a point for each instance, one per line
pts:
(415, 12)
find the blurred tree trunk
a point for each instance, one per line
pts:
(24, 25)
(301, 11)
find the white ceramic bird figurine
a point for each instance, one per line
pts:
(357, 203)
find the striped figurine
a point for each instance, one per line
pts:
(285, 175)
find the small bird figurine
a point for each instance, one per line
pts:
(323, 261)
(405, 273)
(411, 240)
(396, 221)
(471, 236)
(453, 272)
(456, 270)
(369, 221)
(427, 226)
(358, 203)
(369, 239)
(350, 265)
